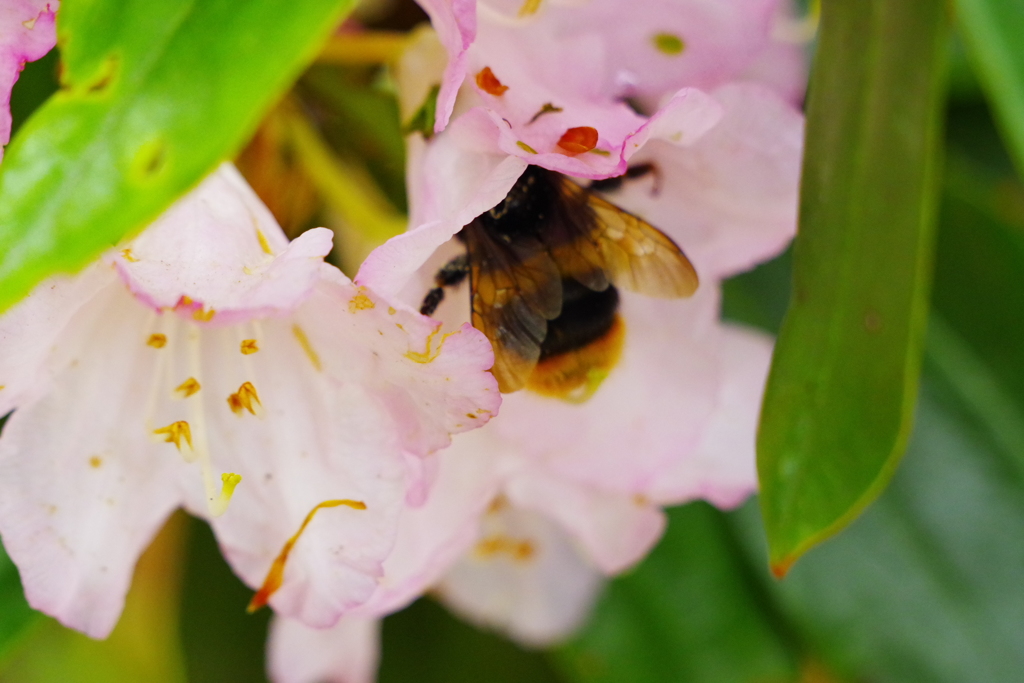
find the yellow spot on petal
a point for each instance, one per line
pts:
(525, 147)
(95, 462)
(188, 387)
(203, 316)
(264, 244)
(275, 577)
(391, 310)
(185, 301)
(640, 500)
(175, 432)
(471, 416)
(430, 354)
(244, 399)
(157, 341)
(529, 7)
(311, 353)
(499, 503)
(128, 256)
(669, 44)
(360, 302)
(30, 23)
(2, 387)
(249, 346)
(519, 550)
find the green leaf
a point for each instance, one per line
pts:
(16, 617)
(155, 93)
(992, 31)
(690, 612)
(840, 397)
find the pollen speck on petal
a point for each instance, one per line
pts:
(489, 83)
(157, 341)
(249, 346)
(578, 140)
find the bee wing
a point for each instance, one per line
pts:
(632, 253)
(516, 289)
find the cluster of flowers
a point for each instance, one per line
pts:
(210, 364)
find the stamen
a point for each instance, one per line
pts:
(264, 244)
(275, 577)
(175, 432)
(188, 387)
(128, 256)
(157, 340)
(529, 8)
(229, 480)
(249, 346)
(519, 550)
(244, 399)
(311, 353)
(669, 44)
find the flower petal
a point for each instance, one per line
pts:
(615, 530)
(82, 489)
(347, 652)
(730, 200)
(455, 23)
(27, 32)
(525, 578)
(221, 248)
(721, 468)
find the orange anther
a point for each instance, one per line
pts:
(489, 83)
(578, 140)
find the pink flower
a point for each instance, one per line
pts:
(210, 357)
(563, 493)
(27, 32)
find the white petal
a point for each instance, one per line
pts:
(347, 652)
(220, 247)
(525, 578)
(82, 488)
(721, 469)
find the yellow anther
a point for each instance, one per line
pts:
(128, 256)
(175, 432)
(519, 550)
(276, 574)
(311, 353)
(244, 399)
(360, 302)
(203, 316)
(529, 7)
(188, 387)
(157, 341)
(249, 346)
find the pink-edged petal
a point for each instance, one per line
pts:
(29, 330)
(433, 536)
(434, 383)
(615, 530)
(27, 32)
(721, 468)
(220, 247)
(455, 23)
(682, 121)
(730, 200)
(82, 488)
(652, 407)
(463, 174)
(348, 652)
(525, 577)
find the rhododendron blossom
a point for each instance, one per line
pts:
(210, 364)
(574, 489)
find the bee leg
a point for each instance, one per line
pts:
(450, 275)
(632, 173)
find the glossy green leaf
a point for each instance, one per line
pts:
(992, 31)
(155, 93)
(840, 398)
(690, 612)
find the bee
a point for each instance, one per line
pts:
(545, 266)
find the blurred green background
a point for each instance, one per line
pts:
(925, 587)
